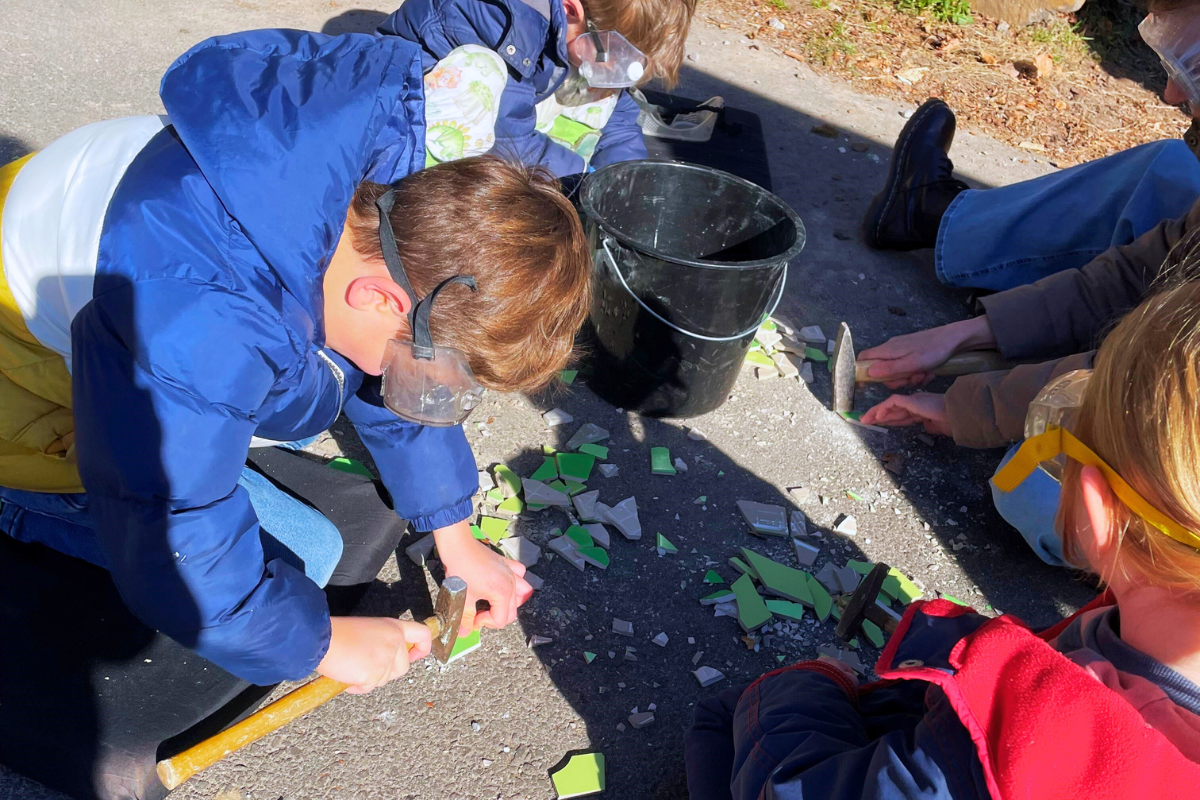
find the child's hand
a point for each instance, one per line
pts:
(489, 576)
(924, 408)
(909, 360)
(367, 652)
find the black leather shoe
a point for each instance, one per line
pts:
(920, 184)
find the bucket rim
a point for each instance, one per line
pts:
(783, 258)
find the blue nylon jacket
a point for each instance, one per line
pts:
(530, 35)
(206, 328)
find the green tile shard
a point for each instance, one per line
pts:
(752, 609)
(574, 487)
(558, 486)
(547, 472)
(719, 596)
(813, 354)
(756, 357)
(821, 600)
(589, 657)
(580, 536)
(861, 567)
(712, 576)
(494, 528)
(786, 608)
(596, 450)
(596, 556)
(353, 466)
(507, 480)
(779, 579)
(660, 461)
(512, 505)
(581, 775)
(575, 466)
(464, 645)
(872, 632)
(568, 376)
(953, 599)
(742, 567)
(477, 532)
(899, 586)
(495, 496)
(663, 543)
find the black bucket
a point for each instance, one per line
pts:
(689, 262)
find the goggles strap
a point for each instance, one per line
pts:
(418, 311)
(1055, 440)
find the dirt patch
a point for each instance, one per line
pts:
(1073, 89)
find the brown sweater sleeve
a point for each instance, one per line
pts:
(988, 409)
(1067, 312)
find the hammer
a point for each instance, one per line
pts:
(846, 371)
(447, 616)
(862, 606)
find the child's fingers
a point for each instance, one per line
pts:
(468, 618)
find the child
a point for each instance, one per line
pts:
(1104, 705)
(539, 119)
(249, 265)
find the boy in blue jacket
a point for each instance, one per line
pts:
(258, 261)
(545, 113)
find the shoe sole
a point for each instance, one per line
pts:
(875, 214)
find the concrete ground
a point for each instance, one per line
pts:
(62, 66)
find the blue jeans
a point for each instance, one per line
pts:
(1014, 235)
(290, 530)
(1032, 509)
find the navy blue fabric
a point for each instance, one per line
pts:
(205, 327)
(797, 735)
(532, 41)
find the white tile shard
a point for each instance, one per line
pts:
(588, 433)
(518, 548)
(707, 676)
(556, 416)
(539, 493)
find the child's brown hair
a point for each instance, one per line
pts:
(513, 229)
(658, 28)
(1141, 414)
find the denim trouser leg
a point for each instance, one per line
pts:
(1032, 508)
(291, 530)
(1014, 235)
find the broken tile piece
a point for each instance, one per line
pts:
(712, 576)
(572, 488)
(464, 645)
(763, 518)
(568, 550)
(786, 608)
(538, 493)
(599, 534)
(760, 359)
(494, 528)
(707, 676)
(575, 466)
(518, 548)
(812, 334)
(579, 535)
(418, 552)
(806, 553)
(806, 373)
(623, 516)
(568, 376)
(664, 544)
(596, 556)
(696, 658)
(556, 416)
(783, 363)
(797, 524)
(680, 465)
(548, 471)
(594, 450)
(537, 641)
(581, 775)
(588, 433)
(872, 632)
(752, 610)
(621, 627)
(847, 579)
(822, 602)
(588, 657)
(779, 579)
(861, 567)
(512, 506)
(533, 580)
(507, 481)
(801, 494)
(641, 720)
(661, 639)
(719, 596)
(742, 567)
(828, 578)
(585, 504)
(696, 435)
(609, 470)
(486, 482)
(660, 461)
(846, 525)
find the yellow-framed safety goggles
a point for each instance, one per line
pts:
(1055, 441)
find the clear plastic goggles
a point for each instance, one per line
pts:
(1057, 406)
(607, 60)
(1175, 37)
(423, 383)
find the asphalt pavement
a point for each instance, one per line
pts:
(493, 723)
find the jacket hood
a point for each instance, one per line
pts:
(284, 126)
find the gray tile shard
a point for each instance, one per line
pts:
(556, 416)
(418, 552)
(518, 548)
(707, 676)
(541, 494)
(847, 579)
(588, 433)
(533, 580)
(797, 524)
(585, 504)
(806, 553)
(609, 470)
(680, 465)
(599, 534)
(623, 516)
(641, 720)
(661, 639)
(535, 641)
(813, 335)
(566, 548)
(763, 518)
(621, 627)
(486, 481)
(806, 373)
(827, 577)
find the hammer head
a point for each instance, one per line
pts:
(447, 614)
(862, 601)
(841, 370)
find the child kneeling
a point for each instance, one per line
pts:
(1105, 704)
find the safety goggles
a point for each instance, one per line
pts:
(1048, 444)
(1175, 37)
(422, 382)
(607, 60)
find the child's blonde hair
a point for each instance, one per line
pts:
(658, 28)
(1141, 414)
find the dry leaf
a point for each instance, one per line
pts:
(986, 57)
(793, 54)
(912, 74)
(1061, 105)
(1036, 148)
(1044, 64)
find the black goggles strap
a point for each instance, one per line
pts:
(418, 312)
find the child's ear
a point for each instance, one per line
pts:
(381, 295)
(575, 13)
(1098, 501)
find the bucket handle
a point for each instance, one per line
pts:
(612, 261)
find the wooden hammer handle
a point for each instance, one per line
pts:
(296, 703)
(967, 363)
